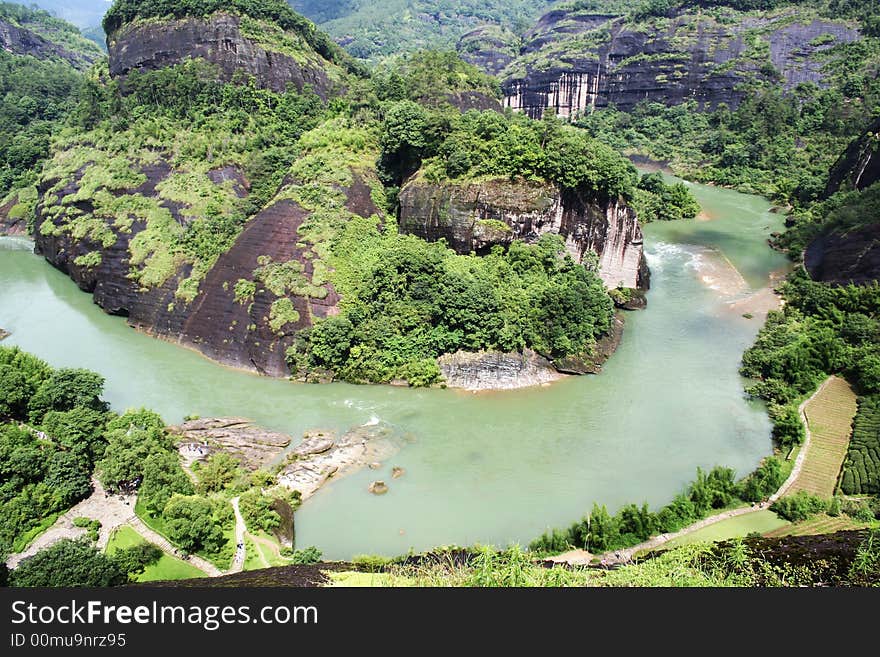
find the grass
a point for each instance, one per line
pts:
(353, 579)
(829, 416)
(255, 558)
(760, 521)
(167, 568)
(22, 541)
(822, 524)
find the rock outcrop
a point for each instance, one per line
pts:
(492, 370)
(491, 48)
(263, 51)
(574, 61)
(253, 446)
(477, 216)
(241, 330)
(859, 166)
(336, 457)
(844, 257)
(13, 217)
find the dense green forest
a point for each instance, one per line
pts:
(56, 434)
(373, 30)
(36, 96)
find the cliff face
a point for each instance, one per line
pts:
(238, 328)
(474, 217)
(859, 166)
(233, 43)
(844, 257)
(573, 61)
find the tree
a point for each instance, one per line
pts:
(218, 473)
(126, 453)
(68, 477)
(15, 392)
(191, 524)
(68, 563)
(65, 390)
(133, 560)
(163, 477)
(80, 430)
(604, 530)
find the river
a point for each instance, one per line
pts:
(479, 468)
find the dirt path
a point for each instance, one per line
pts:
(111, 511)
(576, 557)
(240, 531)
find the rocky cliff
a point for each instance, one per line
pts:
(235, 44)
(859, 166)
(176, 242)
(477, 216)
(844, 257)
(574, 60)
(241, 314)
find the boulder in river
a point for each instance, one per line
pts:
(378, 488)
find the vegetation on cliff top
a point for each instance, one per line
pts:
(57, 31)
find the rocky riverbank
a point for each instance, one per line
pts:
(320, 456)
(493, 370)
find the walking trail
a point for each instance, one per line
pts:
(240, 529)
(578, 557)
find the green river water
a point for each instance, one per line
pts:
(492, 467)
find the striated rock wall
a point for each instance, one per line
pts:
(573, 62)
(150, 45)
(493, 370)
(474, 217)
(226, 327)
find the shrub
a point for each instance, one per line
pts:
(800, 506)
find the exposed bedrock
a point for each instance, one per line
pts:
(848, 257)
(572, 62)
(220, 322)
(217, 39)
(476, 216)
(859, 166)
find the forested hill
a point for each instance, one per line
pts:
(230, 179)
(35, 32)
(372, 29)
(41, 67)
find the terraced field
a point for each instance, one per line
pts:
(819, 525)
(829, 418)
